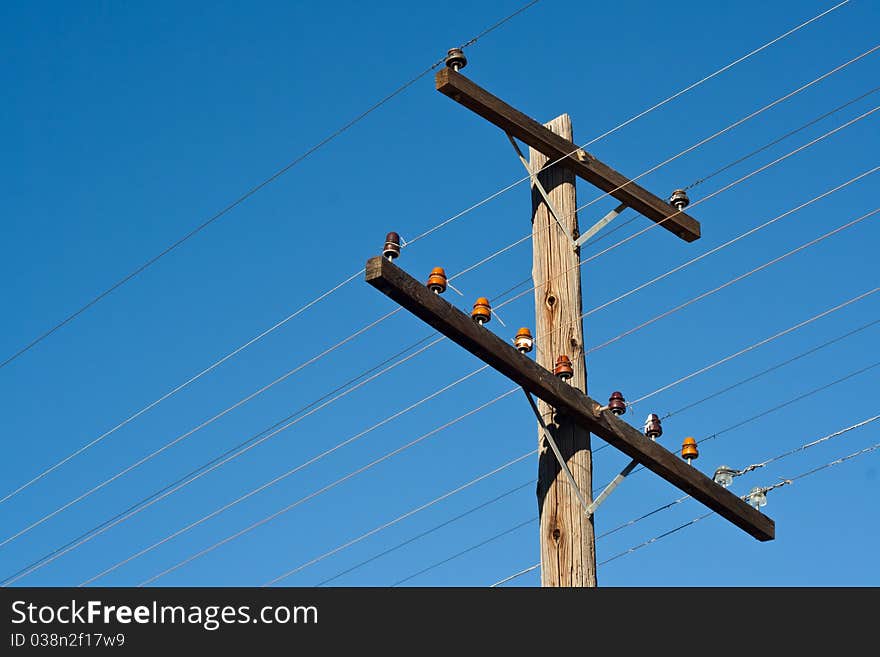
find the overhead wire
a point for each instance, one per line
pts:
(474, 266)
(202, 471)
(221, 414)
(733, 281)
(600, 346)
(172, 392)
(533, 3)
(333, 484)
(532, 519)
(511, 391)
(774, 367)
(189, 433)
(728, 243)
(253, 190)
(737, 160)
(710, 513)
(808, 473)
(532, 481)
(634, 118)
(127, 512)
(704, 199)
(372, 464)
(408, 514)
(756, 345)
(733, 125)
(790, 133)
(725, 188)
(428, 531)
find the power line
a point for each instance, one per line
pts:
(300, 367)
(338, 286)
(756, 345)
(492, 538)
(354, 473)
(725, 167)
(592, 349)
(251, 444)
(733, 280)
(775, 367)
(825, 313)
(725, 188)
(664, 507)
(790, 480)
(410, 513)
(335, 483)
(420, 535)
(285, 475)
(716, 73)
(788, 134)
(253, 190)
(516, 388)
(532, 481)
(775, 408)
(174, 390)
(650, 541)
(634, 118)
(187, 434)
(734, 125)
(220, 460)
(730, 242)
(191, 475)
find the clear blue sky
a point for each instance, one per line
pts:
(126, 125)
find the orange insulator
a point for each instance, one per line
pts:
(523, 340)
(563, 368)
(392, 246)
(437, 280)
(653, 430)
(616, 403)
(689, 449)
(482, 311)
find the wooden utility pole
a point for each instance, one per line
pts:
(568, 550)
(567, 539)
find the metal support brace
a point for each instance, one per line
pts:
(589, 509)
(610, 487)
(599, 225)
(540, 188)
(562, 464)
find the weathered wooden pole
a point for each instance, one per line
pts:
(568, 546)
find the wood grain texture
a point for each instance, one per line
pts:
(555, 147)
(567, 539)
(499, 354)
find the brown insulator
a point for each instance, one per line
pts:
(563, 368)
(392, 246)
(616, 403)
